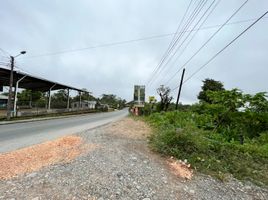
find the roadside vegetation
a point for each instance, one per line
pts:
(225, 134)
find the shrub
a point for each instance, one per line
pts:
(179, 134)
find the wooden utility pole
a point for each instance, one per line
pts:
(179, 93)
(10, 89)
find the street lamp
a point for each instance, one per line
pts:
(11, 84)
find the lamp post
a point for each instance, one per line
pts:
(11, 84)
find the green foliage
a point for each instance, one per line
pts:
(84, 96)
(59, 99)
(181, 134)
(237, 115)
(31, 98)
(164, 93)
(226, 133)
(113, 101)
(258, 103)
(209, 85)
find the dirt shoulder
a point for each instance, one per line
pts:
(121, 167)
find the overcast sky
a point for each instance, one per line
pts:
(43, 27)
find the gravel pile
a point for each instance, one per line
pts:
(120, 167)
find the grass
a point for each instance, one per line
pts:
(177, 134)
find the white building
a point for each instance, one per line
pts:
(3, 101)
(84, 105)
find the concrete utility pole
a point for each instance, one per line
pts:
(9, 107)
(10, 89)
(68, 98)
(179, 93)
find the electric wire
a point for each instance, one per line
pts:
(185, 39)
(176, 33)
(130, 41)
(225, 47)
(195, 13)
(210, 38)
(195, 33)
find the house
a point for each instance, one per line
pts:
(3, 101)
(84, 105)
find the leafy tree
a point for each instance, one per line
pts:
(85, 96)
(209, 85)
(59, 99)
(113, 101)
(238, 115)
(231, 99)
(29, 97)
(258, 103)
(164, 93)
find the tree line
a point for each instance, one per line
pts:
(30, 99)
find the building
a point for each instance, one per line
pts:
(3, 101)
(84, 105)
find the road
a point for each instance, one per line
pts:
(19, 135)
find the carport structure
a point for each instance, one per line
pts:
(28, 81)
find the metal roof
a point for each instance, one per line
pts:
(31, 82)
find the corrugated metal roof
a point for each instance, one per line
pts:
(31, 82)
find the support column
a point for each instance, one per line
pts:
(80, 102)
(49, 100)
(16, 95)
(68, 98)
(49, 96)
(9, 102)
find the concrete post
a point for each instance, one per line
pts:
(10, 89)
(49, 96)
(68, 98)
(16, 95)
(80, 102)
(49, 99)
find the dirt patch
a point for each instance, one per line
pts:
(35, 157)
(129, 128)
(180, 168)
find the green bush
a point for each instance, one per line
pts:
(182, 134)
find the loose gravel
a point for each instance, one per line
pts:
(121, 167)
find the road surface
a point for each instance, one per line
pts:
(19, 135)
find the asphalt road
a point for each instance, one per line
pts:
(19, 135)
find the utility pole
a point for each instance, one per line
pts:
(179, 93)
(9, 107)
(10, 89)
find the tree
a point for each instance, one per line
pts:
(238, 115)
(27, 97)
(164, 93)
(85, 96)
(109, 99)
(59, 99)
(209, 85)
(113, 101)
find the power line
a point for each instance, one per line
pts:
(192, 17)
(210, 38)
(195, 33)
(100, 46)
(185, 39)
(225, 47)
(176, 33)
(132, 40)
